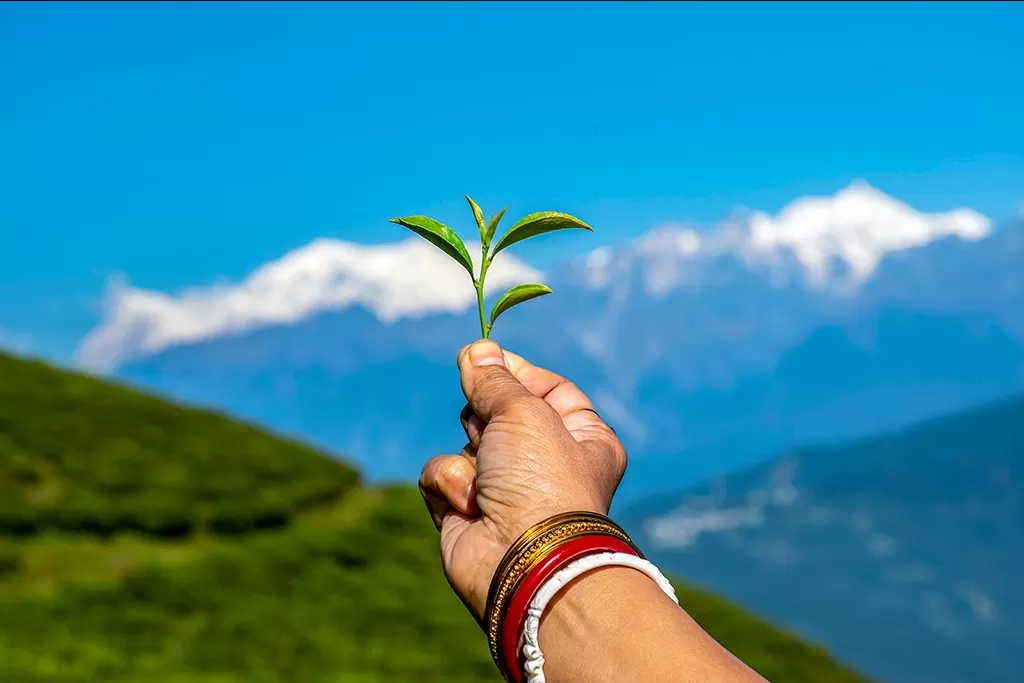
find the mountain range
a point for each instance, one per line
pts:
(901, 552)
(707, 349)
(712, 352)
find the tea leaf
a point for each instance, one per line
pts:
(440, 235)
(495, 219)
(538, 224)
(478, 214)
(517, 295)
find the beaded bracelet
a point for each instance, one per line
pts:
(534, 664)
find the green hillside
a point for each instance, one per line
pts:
(144, 542)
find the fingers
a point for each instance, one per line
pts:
(492, 390)
(473, 425)
(448, 483)
(489, 386)
(564, 396)
(572, 405)
(597, 437)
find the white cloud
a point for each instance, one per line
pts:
(700, 515)
(596, 269)
(404, 279)
(681, 530)
(857, 227)
(664, 251)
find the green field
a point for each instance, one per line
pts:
(141, 541)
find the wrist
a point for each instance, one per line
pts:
(531, 515)
(535, 556)
(513, 636)
(506, 534)
(581, 631)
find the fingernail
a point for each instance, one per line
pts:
(474, 427)
(471, 507)
(486, 353)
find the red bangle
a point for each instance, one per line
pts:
(515, 616)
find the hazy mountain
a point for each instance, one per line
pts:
(901, 552)
(840, 316)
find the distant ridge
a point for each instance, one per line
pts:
(899, 550)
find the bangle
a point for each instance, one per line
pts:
(534, 658)
(556, 559)
(529, 550)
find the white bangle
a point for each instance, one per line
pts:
(534, 665)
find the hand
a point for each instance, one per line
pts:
(536, 448)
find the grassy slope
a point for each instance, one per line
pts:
(144, 542)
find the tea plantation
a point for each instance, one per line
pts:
(145, 542)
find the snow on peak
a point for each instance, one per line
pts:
(403, 279)
(854, 229)
(858, 226)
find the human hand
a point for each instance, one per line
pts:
(536, 448)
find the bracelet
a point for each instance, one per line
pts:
(528, 551)
(556, 559)
(534, 658)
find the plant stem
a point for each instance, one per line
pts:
(479, 284)
(480, 302)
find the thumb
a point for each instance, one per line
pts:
(491, 389)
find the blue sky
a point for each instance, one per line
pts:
(182, 143)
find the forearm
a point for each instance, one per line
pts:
(615, 625)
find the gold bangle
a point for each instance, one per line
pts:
(529, 550)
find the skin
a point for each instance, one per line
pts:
(537, 448)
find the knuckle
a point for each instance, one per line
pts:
(431, 469)
(458, 469)
(569, 386)
(618, 450)
(621, 458)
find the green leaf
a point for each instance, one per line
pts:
(538, 224)
(440, 235)
(478, 214)
(517, 295)
(495, 219)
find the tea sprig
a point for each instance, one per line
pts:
(448, 241)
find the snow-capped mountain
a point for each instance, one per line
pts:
(705, 348)
(409, 279)
(831, 244)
